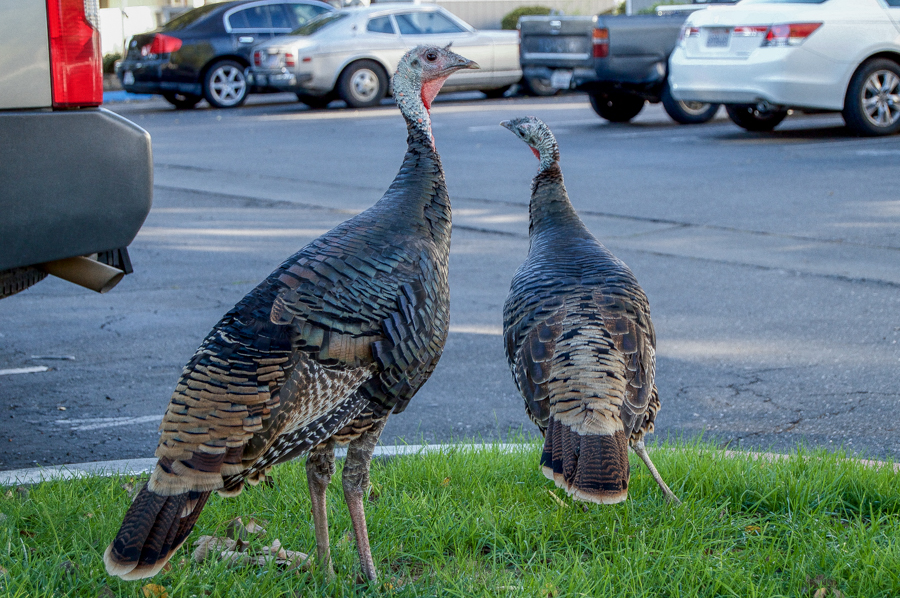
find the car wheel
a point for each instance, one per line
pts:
(493, 94)
(872, 105)
(225, 85)
(750, 117)
(535, 86)
(18, 279)
(363, 84)
(687, 113)
(315, 102)
(616, 107)
(182, 101)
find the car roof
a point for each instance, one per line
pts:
(391, 7)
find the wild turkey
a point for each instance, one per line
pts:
(341, 335)
(579, 341)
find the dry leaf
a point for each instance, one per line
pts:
(446, 482)
(3, 571)
(837, 594)
(753, 529)
(237, 530)
(820, 593)
(106, 592)
(558, 500)
(152, 590)
(22, 491)
(211, 544)
(89, 515)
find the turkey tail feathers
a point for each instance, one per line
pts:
(154, 528)
(592, 467)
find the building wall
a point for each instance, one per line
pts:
(487, 14)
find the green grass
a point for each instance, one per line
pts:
(467, 523)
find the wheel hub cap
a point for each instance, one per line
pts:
(228, 85)
(364, 85)
(881, 98)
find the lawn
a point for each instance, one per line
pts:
(487, 523)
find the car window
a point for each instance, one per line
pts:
(893, 3)
(306, 12)
(320, 22)
(279, 17)
(255, 17)
(188, 18)
(416, 23)
(380, 25)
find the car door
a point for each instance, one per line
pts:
(437, 28)
(252, 24)
(893, 9)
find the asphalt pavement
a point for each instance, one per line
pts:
(772, 264)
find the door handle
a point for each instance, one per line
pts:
(245, 39)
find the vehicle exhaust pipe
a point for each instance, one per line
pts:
(85, 272)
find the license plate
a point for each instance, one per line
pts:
(718, 37)
(561, 79)
(128, 78)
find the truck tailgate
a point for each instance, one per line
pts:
(556, 41)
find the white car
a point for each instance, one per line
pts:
(763, 57)
(351, 54)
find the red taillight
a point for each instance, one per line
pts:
(289, 59)
(164, 44)
(160, 44)
(257, 58)
(75, 59)
(750, 31)
(600, 39)
(793, 34)
(688, 31)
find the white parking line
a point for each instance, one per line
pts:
(31, 370)
(96, 423)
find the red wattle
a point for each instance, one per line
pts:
(536, 153)
(430, 90)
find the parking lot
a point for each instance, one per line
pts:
(772, 264)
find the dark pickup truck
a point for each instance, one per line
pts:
(620, 61)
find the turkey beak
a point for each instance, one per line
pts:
(507, 125)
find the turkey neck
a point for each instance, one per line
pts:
(551, 213)
(418, 194)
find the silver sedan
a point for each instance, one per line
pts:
(351, 54)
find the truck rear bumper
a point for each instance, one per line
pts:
(75, 182)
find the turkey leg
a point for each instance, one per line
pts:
(319, 469)
(642, 453)
(356, 481)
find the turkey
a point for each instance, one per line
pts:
(579, 341)
(341, 335)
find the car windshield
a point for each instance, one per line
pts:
(323, 20)
(188, 18)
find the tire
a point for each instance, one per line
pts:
(225, 85)
(315, 102)
(182, 101)
(363, 84)
(872, 104)
(687, 113)
(18, 279)
(535, 86)
(747, 116)
(616, 107)
(498, 92)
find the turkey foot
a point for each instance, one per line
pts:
(355, 480)
(319, 469)
(639, 448)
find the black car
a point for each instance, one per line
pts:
(203, 53)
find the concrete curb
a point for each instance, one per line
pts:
(139, 466)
